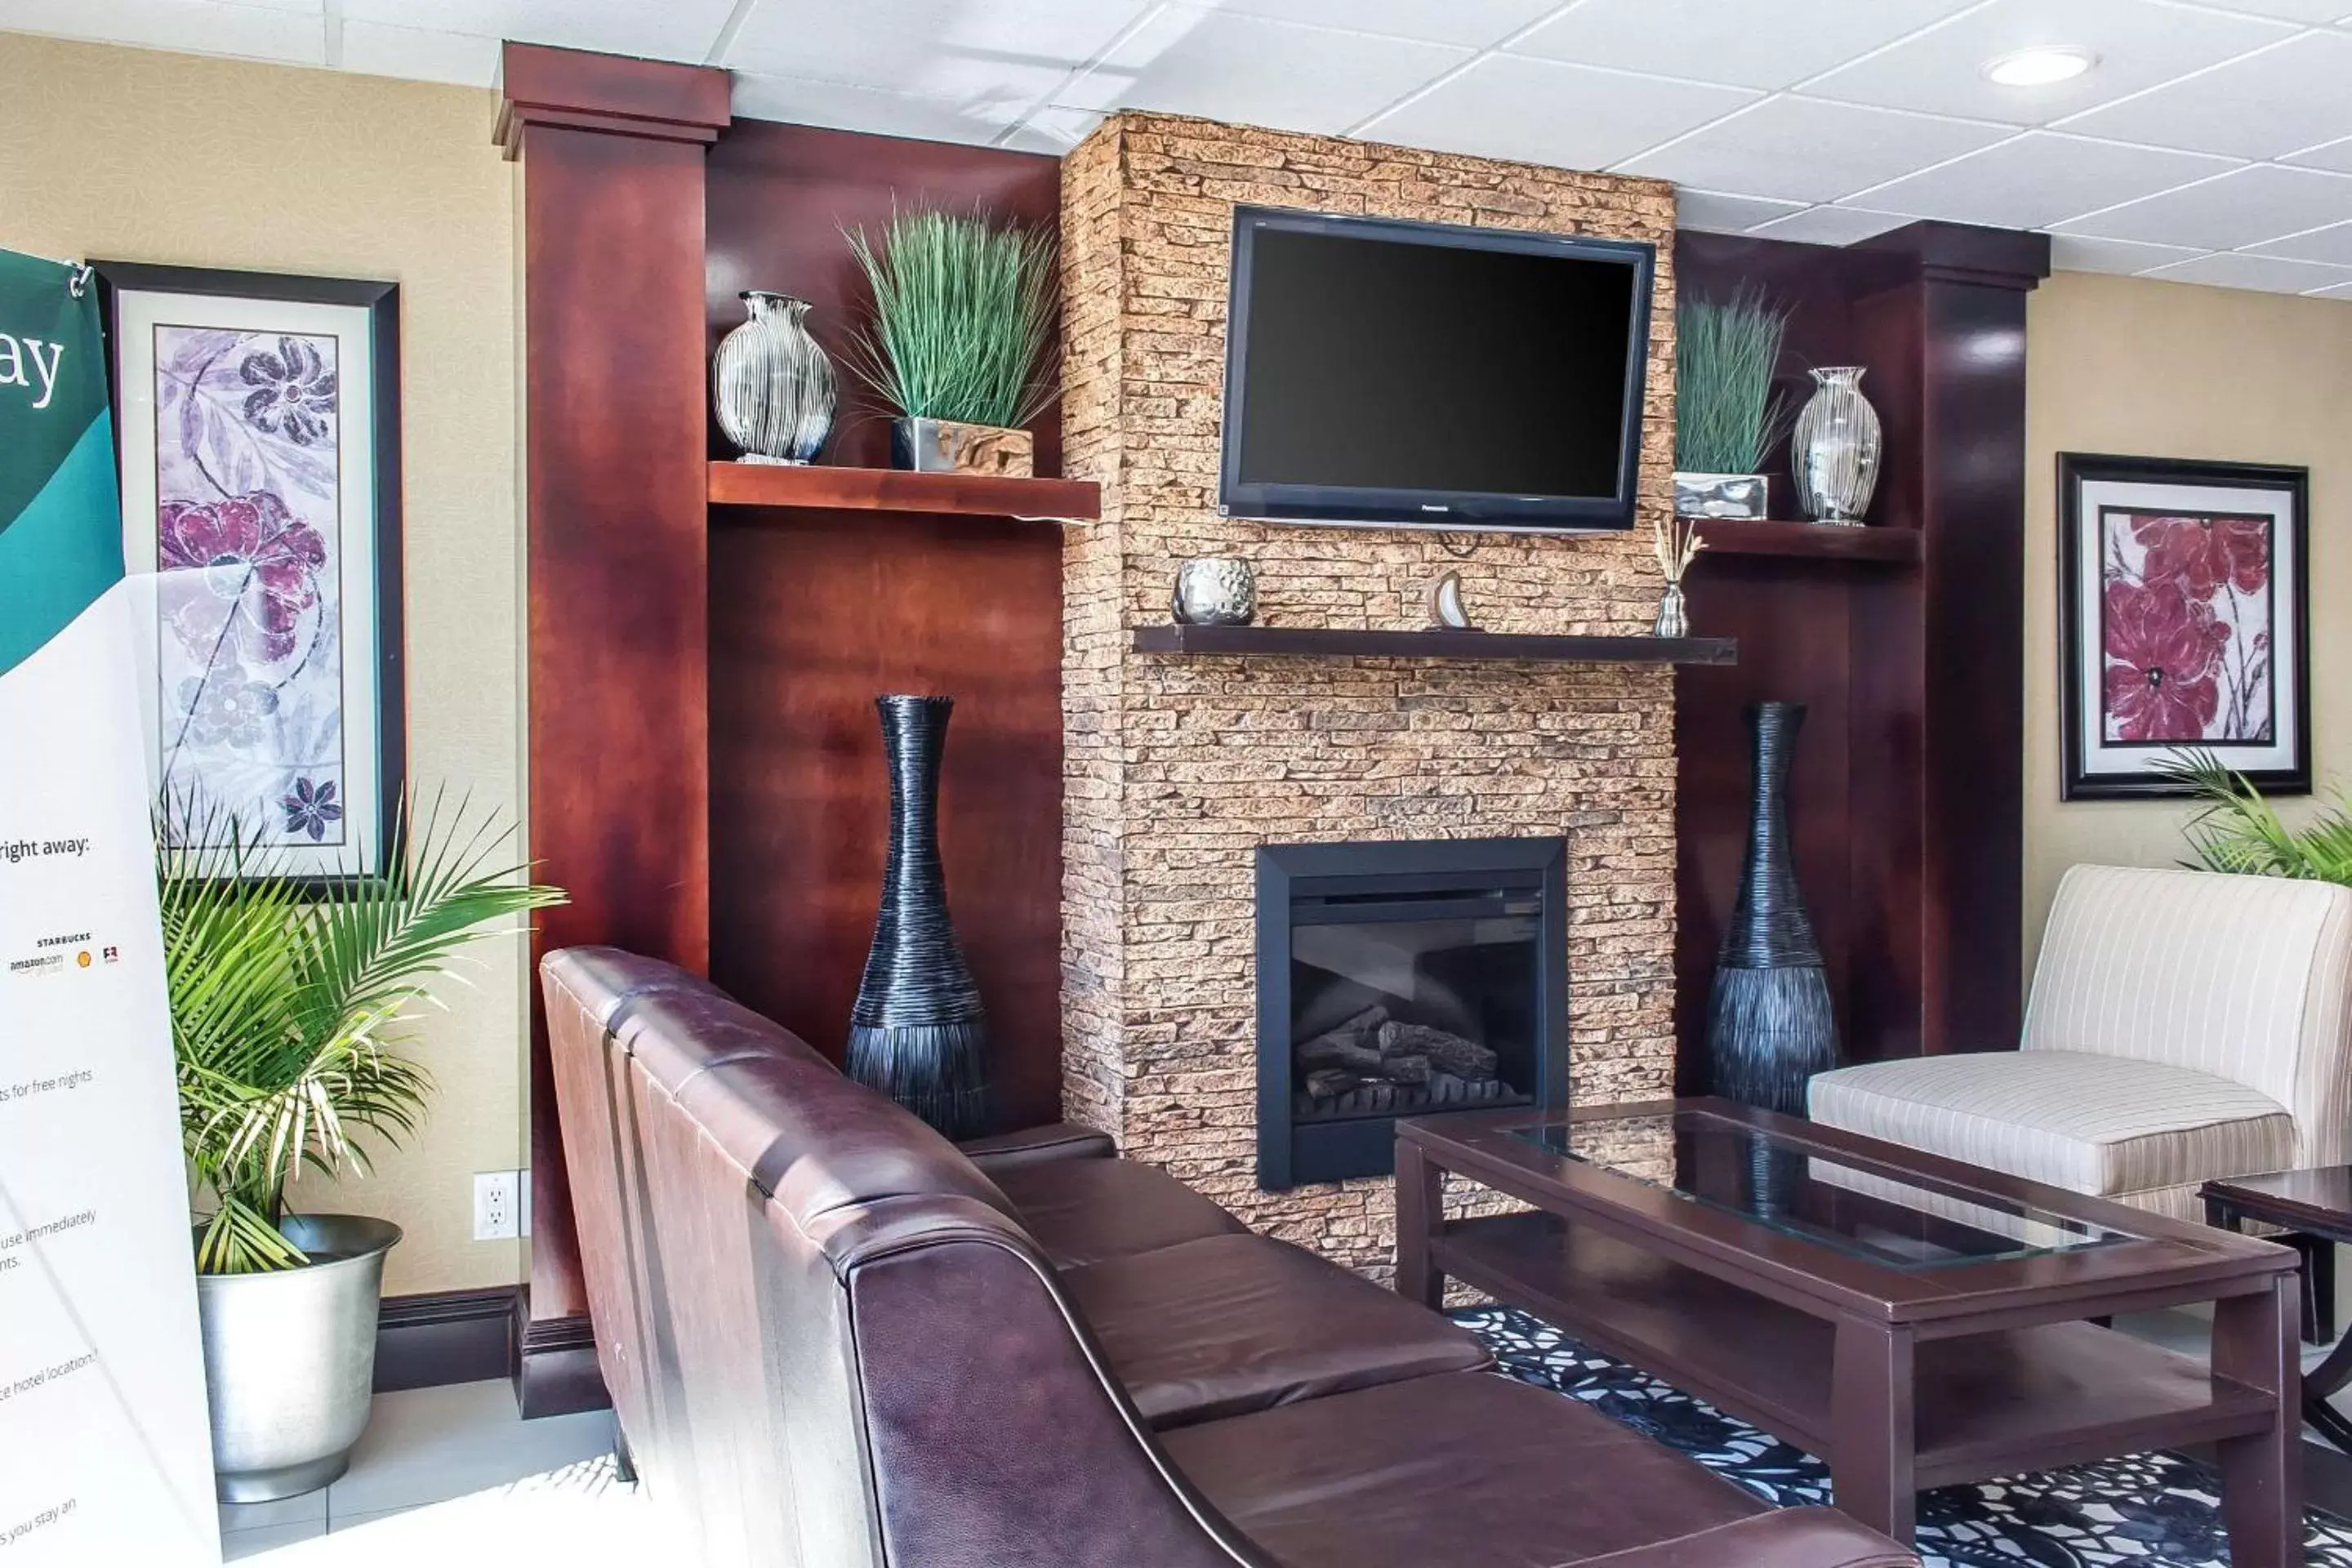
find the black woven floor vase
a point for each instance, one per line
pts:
(918, 1033)
(1770, 1025)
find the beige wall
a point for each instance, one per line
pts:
(135, 155)
(2127, 365)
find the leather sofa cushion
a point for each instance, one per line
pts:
(1228, 1324)
(1462, 1471)
(1083, 1211)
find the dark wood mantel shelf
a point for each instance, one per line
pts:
(894, 489)
(1338, 642)
(1812, 541)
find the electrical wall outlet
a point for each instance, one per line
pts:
(498, 1206)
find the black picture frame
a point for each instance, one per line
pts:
(2110, 769)
(380, 300)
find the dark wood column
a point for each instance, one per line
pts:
(611, 239)
(1956, 437)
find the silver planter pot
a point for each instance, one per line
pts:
(952, 447)
(290, 1359)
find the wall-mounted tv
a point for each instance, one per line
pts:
(1424, 374)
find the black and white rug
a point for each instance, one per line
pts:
(2143, 1512)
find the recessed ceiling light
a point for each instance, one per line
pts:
(2038, 67)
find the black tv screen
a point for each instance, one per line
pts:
(1381, 372)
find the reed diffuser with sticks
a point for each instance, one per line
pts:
(1677, 543)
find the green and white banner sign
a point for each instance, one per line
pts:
(105, 1453)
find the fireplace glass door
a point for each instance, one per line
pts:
(1401, 979)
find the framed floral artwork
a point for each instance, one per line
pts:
(2184, 614)
(258, 426)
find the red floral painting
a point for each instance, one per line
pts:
(2185, 627)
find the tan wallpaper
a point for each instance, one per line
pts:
(2148, 369)
(144, 156)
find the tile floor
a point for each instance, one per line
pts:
(453, 1476)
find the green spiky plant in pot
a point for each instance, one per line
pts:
(963, 317)
(287, 1006)
(2235, 829)
(1727, 418)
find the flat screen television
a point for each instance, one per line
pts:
(1388, 373)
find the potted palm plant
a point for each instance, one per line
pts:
(1727, 418)
(963, 313)
(285, 1009)
(2237, 830)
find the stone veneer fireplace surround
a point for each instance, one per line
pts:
(1178, 770)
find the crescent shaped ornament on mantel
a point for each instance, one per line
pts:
(1445, 611)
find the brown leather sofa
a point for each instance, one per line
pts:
(834, 1339)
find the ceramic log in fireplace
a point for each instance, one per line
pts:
(1403, 979)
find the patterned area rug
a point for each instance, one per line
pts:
(2137, 1512)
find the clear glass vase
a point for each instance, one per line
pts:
(1835, 447)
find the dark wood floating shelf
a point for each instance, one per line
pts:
(1812, 541)
(1339, 643)
(892, 490)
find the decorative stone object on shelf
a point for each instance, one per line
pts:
(1770, 1024)
(952, 446)
(918, 1032)
(1836, 449)
(1214, 591)
(771, 386)
(1738, 498)
(1446, 611)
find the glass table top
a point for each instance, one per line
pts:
(1899, 1223)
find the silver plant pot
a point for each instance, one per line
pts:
(952, 447)
(290, 1359)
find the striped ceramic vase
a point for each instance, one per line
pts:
(1835, 447)
(771, 386)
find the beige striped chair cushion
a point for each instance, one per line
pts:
(2112, 1126)
(2239, 978)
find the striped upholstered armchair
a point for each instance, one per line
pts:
(2182, 1026)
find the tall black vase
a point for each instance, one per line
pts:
(1770, 1025)
(918, 1033)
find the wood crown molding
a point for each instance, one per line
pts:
(573, 89)
(1969, 253)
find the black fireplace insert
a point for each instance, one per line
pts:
(1409, 978)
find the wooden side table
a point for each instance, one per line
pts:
(2315, 1208)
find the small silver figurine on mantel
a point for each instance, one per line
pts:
(1214, 591)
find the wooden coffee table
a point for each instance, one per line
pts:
(2315, 1208)
(1913, 1321)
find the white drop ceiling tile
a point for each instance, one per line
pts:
(1005, 54)
(419, 55)
(672, 30)
(2140, 43)
(2312, 11)
(2236, 269)
(1831, 225)
(2277, 101)
(1227, 66)
(1736, 42)
(292, 36)
(1720, 214)
(2332, 245)
(1478, 23)
(2077, 253)
(2335, 155)
(1802, 149)
(873, 109)
(2040, 178)
(2246, 206)
(1544, 112)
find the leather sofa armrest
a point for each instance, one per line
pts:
(1037, 1146)
(1784, 1537)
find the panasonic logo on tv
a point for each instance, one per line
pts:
(1426, 506)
